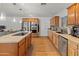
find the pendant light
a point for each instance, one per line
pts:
(14, 20)
(2, 17)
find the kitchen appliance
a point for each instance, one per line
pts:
(58, 30)
(51, 27)
(2, 27)
(69, 30)
(63, 46)
(75, 31)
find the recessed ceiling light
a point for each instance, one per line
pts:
(14, 3)
(43, 3)
(20, 9)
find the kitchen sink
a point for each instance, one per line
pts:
(20, 34)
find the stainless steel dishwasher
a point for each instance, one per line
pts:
(63, 46)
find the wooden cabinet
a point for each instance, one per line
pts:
(16, 49)
(25, 45)
(78, 49)
(7, 49)
(28, 43)
(53, 38)
(77, 14)
(55, 21)
(50, 34)
(71, 14)
(34, 20)
(22, 49)
(72, 49)
(56, 40)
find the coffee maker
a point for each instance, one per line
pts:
(75, 31)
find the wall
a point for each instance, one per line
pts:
(62, 13)
(44, 25)
(10, 25)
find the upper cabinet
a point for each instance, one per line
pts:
(55, 21)
(77, 13)
(73, 14)
(34, 20)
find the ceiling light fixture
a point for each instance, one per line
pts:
(14, 3)
(20, 9)
(14, 20)
(43, 3)
(2, 17)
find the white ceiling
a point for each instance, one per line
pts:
(32, 9)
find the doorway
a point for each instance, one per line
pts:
(31, 24)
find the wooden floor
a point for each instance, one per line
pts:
(43, 47)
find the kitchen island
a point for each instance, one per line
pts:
(15, 45)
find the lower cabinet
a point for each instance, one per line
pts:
(8, 49)
(78, 50)
(55, 39)
(16, 49)
(72, 49)
(22, 47)
(28, 43)
(50, 35)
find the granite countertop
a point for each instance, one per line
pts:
(10, 38)
(68, 37)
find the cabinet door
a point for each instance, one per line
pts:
(56, 42)
(50, 34)
(77, 14)
(71, 15)
(57, 20)
(53, 38)
(78, 50)
(72, 49)
(29, 40)
(28, 43)
(8, 49)
(22, 49)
